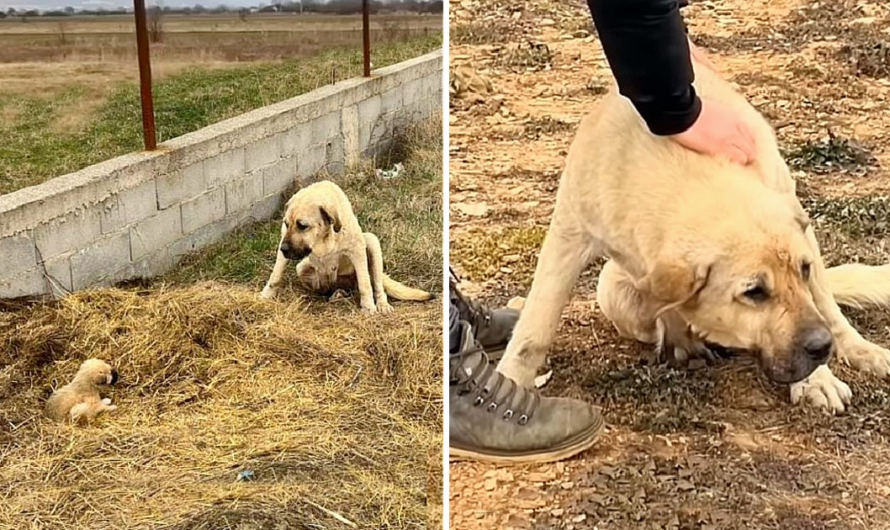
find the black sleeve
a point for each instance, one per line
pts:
(645, 45)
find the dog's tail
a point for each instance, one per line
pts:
(400, 291)
(859, 286)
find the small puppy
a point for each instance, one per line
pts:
(79, 401)
(322, 234)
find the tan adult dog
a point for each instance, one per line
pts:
(79, 402)
(320, 232)
(701, 251)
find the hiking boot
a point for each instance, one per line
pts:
(493, 419)
(492, 327)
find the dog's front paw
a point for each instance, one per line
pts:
(384, 307)
(369, 308)
(106, 401)
(823, 390)
(111, 408)
(865, 356)
(268, 293)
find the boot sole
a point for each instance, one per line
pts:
(571, 447)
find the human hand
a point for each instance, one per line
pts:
(719, 131)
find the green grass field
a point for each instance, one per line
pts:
(44, 136)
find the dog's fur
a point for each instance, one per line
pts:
(701, 251)
(79, 402)
(320, 232)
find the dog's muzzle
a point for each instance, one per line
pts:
(293, 254)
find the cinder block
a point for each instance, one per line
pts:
(203, 210)
(391, 100)
(350, 128)
(156, 232)
(155, 264)
(325, 127)
(95, 264)
(262, 153)
(266, 208)
(311, 161)
(242, 193)
(28, 283)
(17, 255)
(59, 272)
(335, 156)
(182, 185)
(412, 91)
(296, 140)
(129, 206)
(279, 176)
(201, 238)
(224, 167)
(75, 230)
(369, 109)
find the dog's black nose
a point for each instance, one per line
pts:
(285, 247)
(817, 344)
(114, 377)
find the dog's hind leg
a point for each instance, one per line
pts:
(566, 251)
(636, 317)
(375, 266)
(359, 259)
(625, 307)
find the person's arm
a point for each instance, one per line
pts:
(646, 45)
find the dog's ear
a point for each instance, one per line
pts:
(331, 220)
(674, 282)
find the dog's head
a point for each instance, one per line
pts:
(97, 372)
(750, 291)
(308, 228)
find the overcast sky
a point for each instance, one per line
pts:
(95, 4)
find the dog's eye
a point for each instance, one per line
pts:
(805, 271)
(756, 294)
(302, 226)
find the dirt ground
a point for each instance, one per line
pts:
(715, 448)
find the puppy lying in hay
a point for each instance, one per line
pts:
(79, 402)
(321, 232)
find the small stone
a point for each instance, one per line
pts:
(491, 484)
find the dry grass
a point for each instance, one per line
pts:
(202, 39)
(333, 411)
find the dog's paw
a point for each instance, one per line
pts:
(111, 408)
(369, 309)
(384, 307)
(865, 357)
(106, 401)
(268, 293)
(823, 390)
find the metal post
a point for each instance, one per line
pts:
(366, 37)
(148, 112)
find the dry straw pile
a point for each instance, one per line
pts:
(332, 417)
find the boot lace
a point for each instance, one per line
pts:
(517, 402)
(472, 311)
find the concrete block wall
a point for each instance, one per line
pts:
(137, 215)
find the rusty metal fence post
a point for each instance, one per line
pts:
(148, 112)
(366, 38)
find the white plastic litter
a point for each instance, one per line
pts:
(391, 173)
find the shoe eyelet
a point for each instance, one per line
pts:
(523, 419)
(508, 414)
(486, 390)
(493, 407)
(479, 401)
